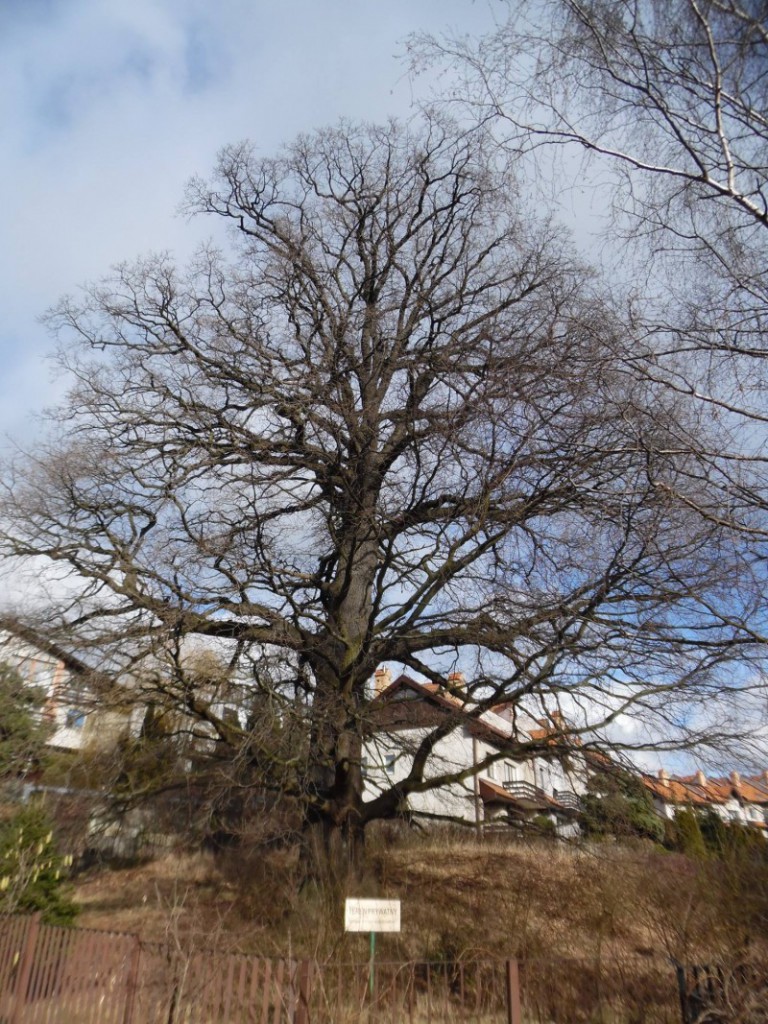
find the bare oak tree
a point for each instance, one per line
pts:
(395, 424)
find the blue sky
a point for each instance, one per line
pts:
(108, 107)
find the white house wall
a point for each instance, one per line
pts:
(388, 757)
(62, 707)
(555, 776)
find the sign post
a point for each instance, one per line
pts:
(372, 916)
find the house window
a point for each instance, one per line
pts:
(491, 771)
(74, 718)
(231, 718)
(389, 764)
(510, 772)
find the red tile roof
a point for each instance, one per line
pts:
(444, 698)
(554, 732)
(679, 791)
(699, 790)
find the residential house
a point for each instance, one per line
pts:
(735, 798)
(63, 704)
(491, 780)
(68, 700)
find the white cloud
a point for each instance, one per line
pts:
(108, 108)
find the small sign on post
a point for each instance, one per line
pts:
(372, 916)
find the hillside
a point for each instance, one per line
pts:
(460, 899)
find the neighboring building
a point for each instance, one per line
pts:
(68, 701)
(513, 787)
(491, 782)
(733, 799)
(63, 704)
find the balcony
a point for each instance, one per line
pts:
(527, 795)
(567, 799)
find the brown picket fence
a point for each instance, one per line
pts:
(51, 975)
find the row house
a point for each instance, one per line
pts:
(77, 721)
(735, 798)
(494, 782)
(65, 705)
(492, 779)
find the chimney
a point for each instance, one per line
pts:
(456, 681)
(664, 777)
(701, 778)
(382, 678)
(765, 775)
(735, 780)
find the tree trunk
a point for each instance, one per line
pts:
(333, 826)
(332, 855)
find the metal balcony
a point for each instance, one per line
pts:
(527, 794)
(567, 799)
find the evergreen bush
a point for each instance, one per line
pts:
(32, 872)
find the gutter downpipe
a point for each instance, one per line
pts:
(476, 784)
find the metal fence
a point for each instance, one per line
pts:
(51, 975)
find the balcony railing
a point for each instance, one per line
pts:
(568, 799)
(526, 793)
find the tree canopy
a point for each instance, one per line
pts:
(394, 422)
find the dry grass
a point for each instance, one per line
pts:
(537, 900)
(595, 927)
(460, 899)
(179, 896)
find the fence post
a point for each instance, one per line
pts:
(514, 1013)
(304, 981)
(682, 988)
(25, 968)
(132, 981)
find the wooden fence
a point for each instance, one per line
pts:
(51, 975)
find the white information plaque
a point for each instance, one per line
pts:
(372, 915)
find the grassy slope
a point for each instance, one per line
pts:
(459, 898)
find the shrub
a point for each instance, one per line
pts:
(619, 805)
(32, 872)
(544, 826)
(23, 730)
(683, 834)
